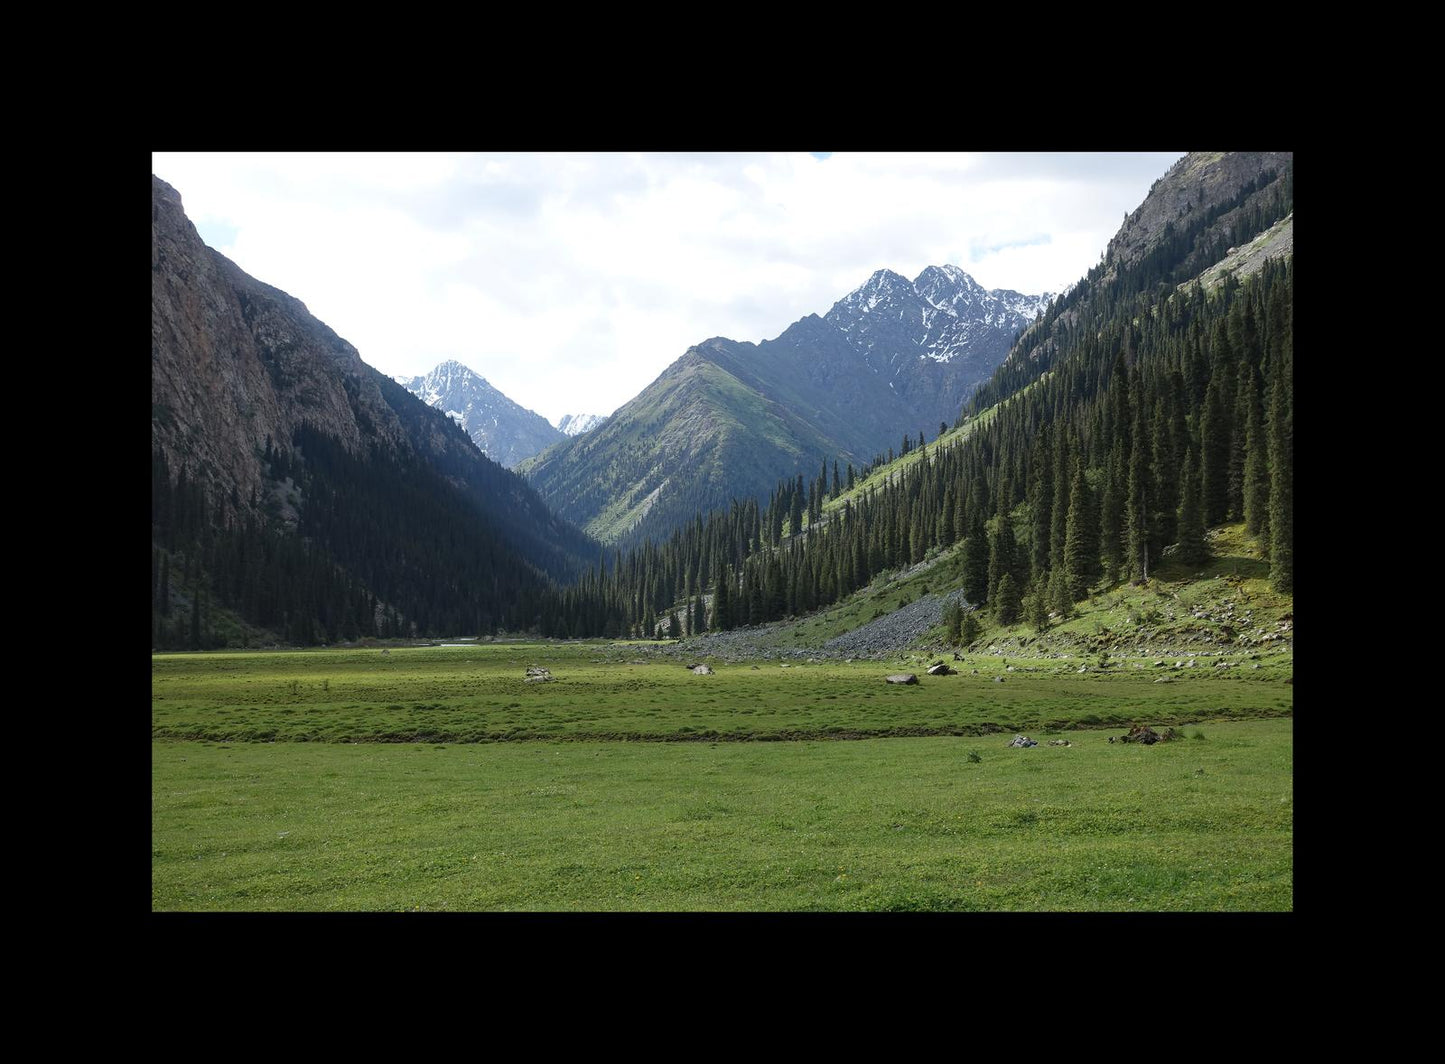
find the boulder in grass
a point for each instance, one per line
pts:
(702, 670)
(537, 674)
(1022, 741)
(940, 670)
(1141, 733)
(901, 677)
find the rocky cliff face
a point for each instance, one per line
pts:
(1201, 182)
(237, 366)
(1212, 213)
(235, 363)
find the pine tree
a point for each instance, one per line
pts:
(1058, 529)
(1193, 548)
(163, 596)
(1256, 462)
(1111, 516)
(721, 611)
(1001, 561)
(1041, 500)
(969, 630)
(1008, 603)
(1214, 457)
(1081, 541)
(1059, 596)
(1136, 513)
(975, 565)
(1037, 604)
(1165, 474)
(1281, 468)
(953, 623)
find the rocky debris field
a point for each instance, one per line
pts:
(881, 638)
(894, 632)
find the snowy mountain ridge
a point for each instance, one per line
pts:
(503, 430)
(576, 424)
(944, 313)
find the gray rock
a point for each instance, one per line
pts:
(702, 670)
(901, 677)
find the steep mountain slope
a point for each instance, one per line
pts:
(504, 431)
(710, 428)
(728, 419)
(266, 424)
(1207, 205)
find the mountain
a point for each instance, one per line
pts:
(504, 431)
(304, 492)
(576, 424)
(934, 339)
(1138, 437)
(1200, 220)
(728, 418)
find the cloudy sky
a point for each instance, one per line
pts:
(570, 281)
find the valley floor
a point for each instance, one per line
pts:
(1201, 824)
(439, 778)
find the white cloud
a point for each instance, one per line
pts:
(571, 281)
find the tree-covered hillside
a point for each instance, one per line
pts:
(1125, 423)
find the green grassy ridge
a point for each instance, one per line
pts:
(698, 433)
(717, 412)
(898, 825)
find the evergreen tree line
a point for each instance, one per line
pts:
(382, 547)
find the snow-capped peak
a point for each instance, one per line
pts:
(942, 314)
(576, 424)
(502, 429)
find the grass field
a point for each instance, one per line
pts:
(881, 824)
(427, 820)
(479, 694)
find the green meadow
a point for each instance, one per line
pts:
(435, 778)
(479, 694)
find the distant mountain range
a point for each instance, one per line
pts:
(503, 430)
(728, 419)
